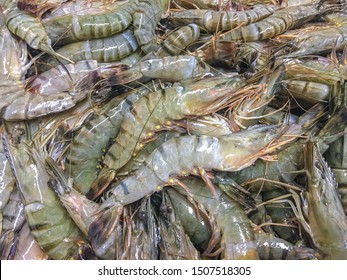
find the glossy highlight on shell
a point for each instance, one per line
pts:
(173, 130)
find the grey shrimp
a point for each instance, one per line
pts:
(169, 68)
(51, 226)
(145, 19)
(157, 111)
(214, 21)
(18, 104)
(192, 154)
(86, 151)
(110, 49)
(178, 40)
(237, 238)
(29, 28)
(73, 28)
(326, 218)
(13, 53)
(273, 25)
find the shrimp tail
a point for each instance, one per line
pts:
(105, 178)
(59, 189)
(103, 227)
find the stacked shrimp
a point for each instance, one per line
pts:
(157, 129)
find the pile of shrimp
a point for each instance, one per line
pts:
(176, 130)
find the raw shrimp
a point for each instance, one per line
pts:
(237, 238)
(83, 212)
(323, 39)
(108, 49)
(158, 111)
(145, 19)
(88, 145)
(193, 154)
(12, 52)
(320, 70)
(28, 28)
(273, 25)
(291, 159)
(169, 68)
(175, 243)
(18, 104)
(195, 222)
(281, 213)
(73, 28)
(326, 218)
(214, 21)
(50, 224)
(144, 234)
(178, 40)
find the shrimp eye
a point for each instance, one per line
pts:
(143, 215)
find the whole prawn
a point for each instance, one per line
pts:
(285, 169)
(175, 243)
(51, 226)
(195, 221)
(322, 39)
(169, 68)
(192, 155)
(84, 158)
(158, 111)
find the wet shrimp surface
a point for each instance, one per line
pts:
(173, 130)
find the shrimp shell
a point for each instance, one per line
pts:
(214, 21)
(50, 224)
(73, 28)
(273, 25)
(108, 49)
